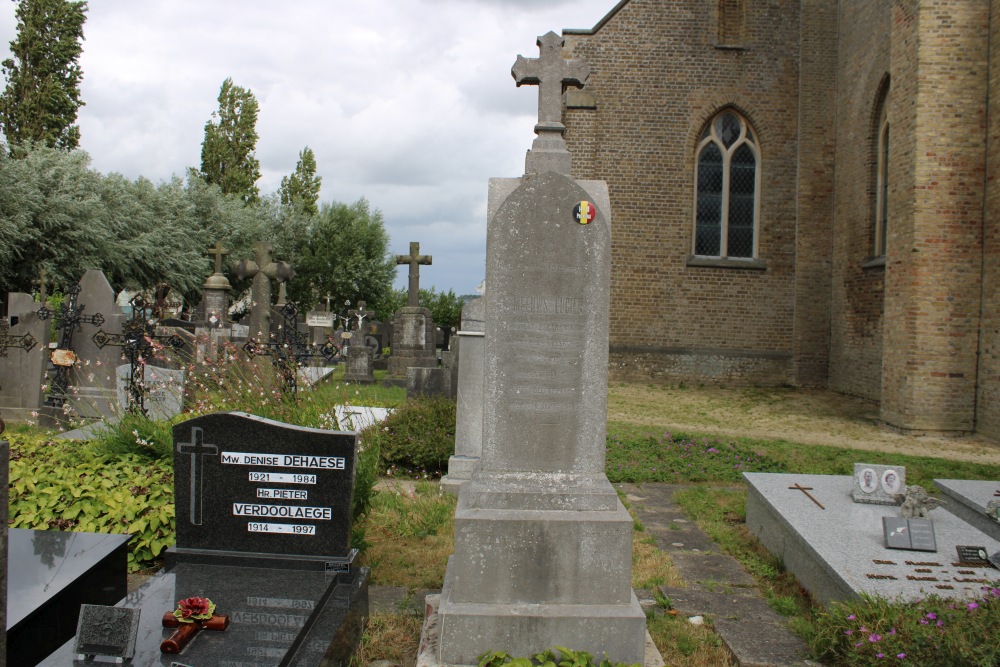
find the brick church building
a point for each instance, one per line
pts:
(803, 193)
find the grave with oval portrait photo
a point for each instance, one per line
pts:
(878, 484)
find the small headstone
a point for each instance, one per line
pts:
(164, 397)
(360, 365)
(357, 417)
(877, 484)
(109, 631)
(428, 382)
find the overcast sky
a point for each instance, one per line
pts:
(408, 103)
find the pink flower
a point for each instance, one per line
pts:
(900, 655)
(972, 605)
(874, 637)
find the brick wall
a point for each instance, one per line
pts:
(658, 77)
(856, 292)
(937, 117)
(988, 412)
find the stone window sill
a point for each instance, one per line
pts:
(727, 263)
(874, 262)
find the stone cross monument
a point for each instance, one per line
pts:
(543, 546)
(414, 259)
(263, 270)
(215, 291)
(413, 331)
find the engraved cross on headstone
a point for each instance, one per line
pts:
(24, 341)
(551, 73)
(414, 259)
(197, 448)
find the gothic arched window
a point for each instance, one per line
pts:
(882, 184)
(728, 189)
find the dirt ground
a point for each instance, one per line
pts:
(809, 416)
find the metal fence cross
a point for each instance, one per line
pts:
(68, 320)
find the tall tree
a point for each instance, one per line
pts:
(301, 189)
(42, 96)
(228, 157)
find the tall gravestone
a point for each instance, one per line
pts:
(543, 546)
(215, 292)
(469, 396)
(92, 391)
(23, 357)
(413, 331)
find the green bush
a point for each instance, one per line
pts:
(136, 434)
(66, 486)
(418, 437)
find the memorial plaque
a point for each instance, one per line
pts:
(107, 631)
(974, 555)
(316, 318)
(164, 396)
(252, 485)
(877, 484)
(909, 534)
(65, 358)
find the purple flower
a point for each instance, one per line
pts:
(848, 632)
(923, 621)
(851, 617)
(880, 655)
(972, 605)
(932, 616)
(874, 637)
(900, 655)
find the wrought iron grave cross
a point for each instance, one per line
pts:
(68, 321)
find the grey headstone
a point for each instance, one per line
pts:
(877, 484)
(474, 315)
(92, 392)
(109, 631)
(360, 365)
(544, 424)
(19, 303)
(22, 371)
(164, 391)
(428, 382)
(412, 341)
(247, 484)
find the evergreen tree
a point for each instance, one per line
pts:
(301, 189)
(227, 153)
(42, 96)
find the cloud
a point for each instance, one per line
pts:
(408, 103)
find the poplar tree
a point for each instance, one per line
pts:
(301, 188)
(42, 96)
(228, 157)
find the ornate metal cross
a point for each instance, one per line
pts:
(137, 342)
(806, 490)
(24, 341)
(414, 259)
(197, 449)
(68, 320)
(289, 348)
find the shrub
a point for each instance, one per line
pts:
(418, 437)
(932, 631)
(63, 486)
(136, 434)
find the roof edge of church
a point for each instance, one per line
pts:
(600, 24)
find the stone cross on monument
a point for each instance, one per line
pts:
(215, 291)
(263, 270)
(414, 259)
(551, 73)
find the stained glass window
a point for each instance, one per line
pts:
(727, 189)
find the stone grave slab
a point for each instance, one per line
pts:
(277, 617)
(839, 552)
(257, 488)
(50, 573)
(310, 376)
(967, 499)
(359, 417)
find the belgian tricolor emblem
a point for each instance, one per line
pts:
(583, 212)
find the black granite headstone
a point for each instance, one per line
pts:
(247, 486)
(910, 534)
